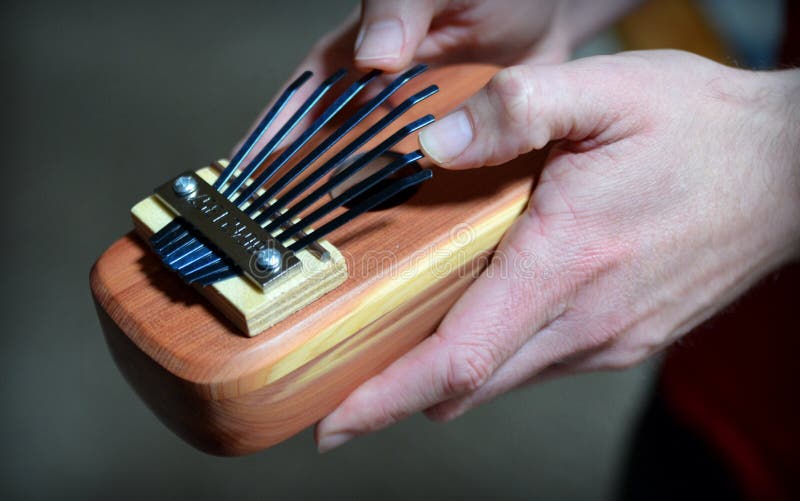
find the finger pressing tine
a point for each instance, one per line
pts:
(391, 31)
(522, 108)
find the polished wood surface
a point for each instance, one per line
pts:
(229, 394)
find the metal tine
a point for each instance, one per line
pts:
(212, 259)
(186, 253)
(349, 194)
(209, 258)
(376, 199)
(170, 229)
(175, 248)
(203, 257)
(208, 263)
(220, 270)
(206, 258)
(348, 171)
(315, 127)
(262, 126)
(175, 254)
(295, 119)
(357, 118)
(189, 258)
(176, 243)
(192, 250)
(214, 270)
(160, 237)
(214, 276)
(210, 269)
(342, 155)
(207, 268)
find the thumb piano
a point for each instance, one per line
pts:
(250, 300)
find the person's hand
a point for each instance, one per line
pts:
(390, 35)
(673, 186)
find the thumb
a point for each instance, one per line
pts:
(522, 108)
(391, 31)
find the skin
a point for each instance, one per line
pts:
(672, 186)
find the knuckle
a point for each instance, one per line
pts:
(468, 368)
(510, 91)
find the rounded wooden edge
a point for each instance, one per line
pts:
(264, 417)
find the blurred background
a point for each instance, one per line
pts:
(104, 99)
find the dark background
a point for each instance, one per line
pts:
(102, 101)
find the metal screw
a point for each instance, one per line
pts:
(184, 186)
(268, 259)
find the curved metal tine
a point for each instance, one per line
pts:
(284, 157)
(207, 273)
(315, 127)
(158, 239)
(348, 171)
(341, 156)
(178, 247)
(374, 103)
(210, 263)
(187, 244)
(298, 115)
(352, 192)
(377, 101)
(177, 257)
(214, 276)
(207, 260)
(262, 126)
(212, 267)
(376, 199)
(200, 256)
(357, 118)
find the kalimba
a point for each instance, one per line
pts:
(254, 295)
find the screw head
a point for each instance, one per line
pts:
(184, 186)
(268, 259)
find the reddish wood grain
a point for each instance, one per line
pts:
(206, 381)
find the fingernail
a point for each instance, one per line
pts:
(380, 40)
(446, 139)
(332, 441)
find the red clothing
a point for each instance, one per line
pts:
(736, 380)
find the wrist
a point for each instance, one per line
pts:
(777, 107)
(787, 91)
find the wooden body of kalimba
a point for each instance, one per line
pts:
(229, 394)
